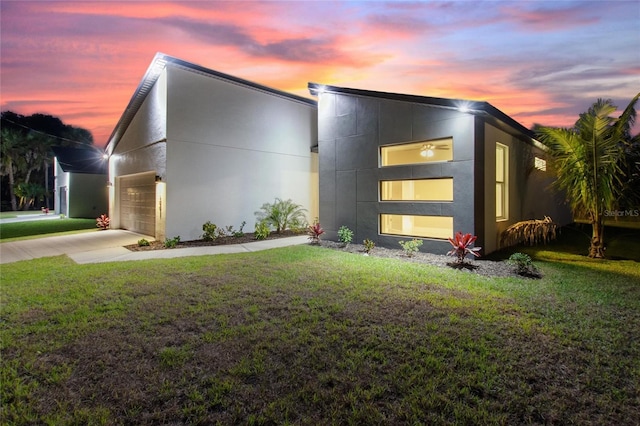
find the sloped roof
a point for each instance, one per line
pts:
(158, 64)
(484, 109)
(76, 160)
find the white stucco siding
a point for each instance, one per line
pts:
(142, 147)
(231, 148)
(226, 186)
(62, 185)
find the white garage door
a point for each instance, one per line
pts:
(138, 203)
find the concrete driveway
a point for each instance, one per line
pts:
(107, 243)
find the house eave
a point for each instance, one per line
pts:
(157, 67)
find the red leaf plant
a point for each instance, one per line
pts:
(461, 246)
(102, 222)
(314, 232)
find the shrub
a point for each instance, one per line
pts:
(368, 245)
(239, 233)
(522, 265)
(530, 232)
(314, 232)
(282, 215)
(143, 243)
(209, 231)
(171, 242)
(462, 246)
(103, 221)
(345, 235)
(411, 247)
(262, 230)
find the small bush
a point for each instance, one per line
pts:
(282, 215)
(239, 233)
(209, 231)
(522, 265)
(143, 243)
(171, 242)
(461, 244)
(103, 222)
(314, 232)
(345, 235)
(411, 247)
(262, 230)
(368, 245)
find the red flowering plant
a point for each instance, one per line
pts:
(102, 222)
(462, 246)
(314, 232)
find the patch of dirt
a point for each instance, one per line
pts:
(246, 238)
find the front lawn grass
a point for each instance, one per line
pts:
(307, 335)
(46, 227)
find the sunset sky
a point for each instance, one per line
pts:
(538, 61)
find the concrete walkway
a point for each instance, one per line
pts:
(107, 246)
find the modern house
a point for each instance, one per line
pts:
(393, 167)
(195, 145)
(80, 177)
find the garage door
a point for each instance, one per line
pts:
(138, 203)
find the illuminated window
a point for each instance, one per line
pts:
(417, 190)
(417, 226)
(502, 181)
(417, 152)
(540, 164)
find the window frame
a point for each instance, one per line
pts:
(381, 191)
(502, 184)
(402, 217)
(418, 145)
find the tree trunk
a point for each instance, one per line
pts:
(12, 183)
(596, 249)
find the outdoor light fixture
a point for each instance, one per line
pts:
(426, 151)
(105, 156)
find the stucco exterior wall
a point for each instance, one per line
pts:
(88, 195)
(142, 148)
(530, 194)
(351, 130)
(61, 185)
(231, 148)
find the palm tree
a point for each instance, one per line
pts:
(10, 156)
(587, 161)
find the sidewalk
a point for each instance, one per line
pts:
(108, 246)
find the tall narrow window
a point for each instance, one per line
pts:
(502, 182)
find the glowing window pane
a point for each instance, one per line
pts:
(417, 226)
(417, 152)
(540, 164)
(502, 183)
(417, 190)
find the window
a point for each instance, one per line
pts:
(417, 190)
(540, 164)
(502, 181)
(417, 152)
(417, 226)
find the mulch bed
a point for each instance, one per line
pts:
(482, 267)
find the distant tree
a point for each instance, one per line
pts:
(10, 157)
(32, 137)
(587, 159)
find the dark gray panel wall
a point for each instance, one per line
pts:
(351, 130)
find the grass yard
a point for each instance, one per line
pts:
(308, 335)
(46, 227)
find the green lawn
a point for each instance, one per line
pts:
(306, 335)
(37, 228)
